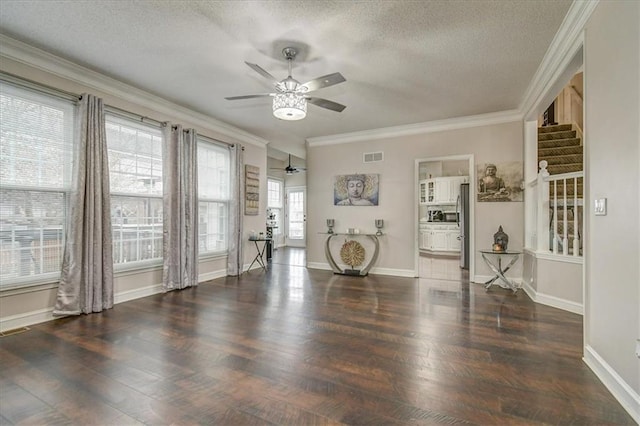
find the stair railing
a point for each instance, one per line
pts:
(549, 205)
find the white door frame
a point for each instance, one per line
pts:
(416, 209)
(296, 242)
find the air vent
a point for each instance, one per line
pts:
(372, 157)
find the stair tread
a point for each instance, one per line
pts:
(554, 128)
(542, 152)
(562, 159)
(566, 134)
(559, 142)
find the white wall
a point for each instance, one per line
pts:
(612, 134)
(398, 198)
(553, 282)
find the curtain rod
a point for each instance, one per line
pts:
(70, 96)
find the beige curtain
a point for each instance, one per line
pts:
(180, 208)
(86, 281)
(235, 259)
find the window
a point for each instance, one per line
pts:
(274, 205)
(36, 154)
(135, 175)
(213, 195)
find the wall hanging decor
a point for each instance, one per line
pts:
(251, 190)
(355, 190)
(500, 181)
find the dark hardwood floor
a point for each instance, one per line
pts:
(300, 347)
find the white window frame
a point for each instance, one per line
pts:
(136, 244)
(40, 225)
(278, 205)
(218, 200)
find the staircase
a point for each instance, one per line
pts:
(563, 151)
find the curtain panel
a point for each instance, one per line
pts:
(86, 280)
(180, 208)
(235, 259)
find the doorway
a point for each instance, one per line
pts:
(296, 217)
(444, 203)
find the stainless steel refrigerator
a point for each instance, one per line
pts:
(462, 209)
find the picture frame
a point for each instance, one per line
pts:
(356, 190)
(251, 190)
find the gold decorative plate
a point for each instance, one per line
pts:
(352, 253)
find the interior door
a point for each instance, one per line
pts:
(296, 217)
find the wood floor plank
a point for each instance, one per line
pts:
(305, 347)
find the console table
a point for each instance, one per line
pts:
(491, 257)
(334, 265)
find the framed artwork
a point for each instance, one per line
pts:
(251, 190)
(500, 181)
(355, 190)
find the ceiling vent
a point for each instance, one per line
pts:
(373, 157)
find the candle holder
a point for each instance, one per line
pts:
(379, 225)
(330, 225)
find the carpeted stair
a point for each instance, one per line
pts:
(561, 148)
(563, 151)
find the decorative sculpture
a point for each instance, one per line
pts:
(330, 225)
(379, 225)
(352, 253)
(500, 240)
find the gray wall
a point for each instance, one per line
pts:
(398, 199)
(612, 114)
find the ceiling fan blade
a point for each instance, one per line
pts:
(325, 103)
(257, 68)
(324, 81)
(260, 95)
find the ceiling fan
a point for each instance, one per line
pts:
(290, 98)
(290, 169)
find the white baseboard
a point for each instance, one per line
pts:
(26, 319)
(374, 271)
(626, 396)
(554, 302)
(125, 296)
(543, 299)
(43, 315)
(319, 265)
(212, 275)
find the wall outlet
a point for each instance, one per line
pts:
(638, 348)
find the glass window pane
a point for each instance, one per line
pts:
(214, 191)
(36, 156)
(135, 168)
(135, 157)
(137, 228)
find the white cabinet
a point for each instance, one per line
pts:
(439, 237)
(422, 192)
(454, 187)
(453, 241)
(441, 190)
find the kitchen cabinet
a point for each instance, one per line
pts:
(422, 192)
(441, 190)
(439, 237)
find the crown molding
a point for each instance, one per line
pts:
(419, 128)
(45, 61)
(565, 44)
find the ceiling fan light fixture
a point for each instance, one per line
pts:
(289, 106)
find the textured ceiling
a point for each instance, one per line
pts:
(405, 62)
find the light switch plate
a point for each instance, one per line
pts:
(600, 206)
